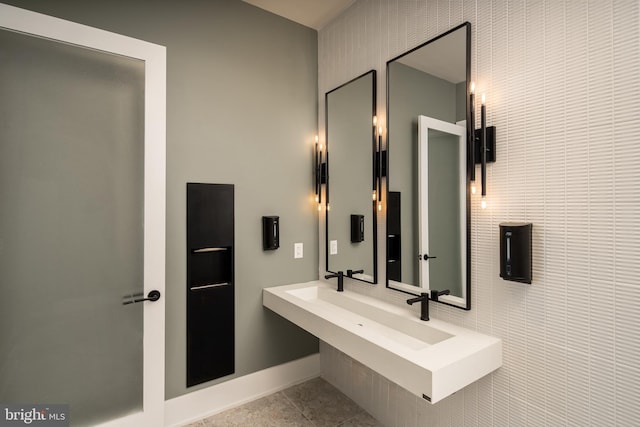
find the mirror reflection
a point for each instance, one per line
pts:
(427, 204)
(351, 217)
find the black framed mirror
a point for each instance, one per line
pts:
(428, 206)
(351, 224)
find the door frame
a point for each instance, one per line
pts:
(154, 56)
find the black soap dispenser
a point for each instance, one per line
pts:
(515, 251)
(270, 233)
(357, 228)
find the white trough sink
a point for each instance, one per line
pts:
(430, 359)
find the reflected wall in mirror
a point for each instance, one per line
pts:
(427, 199)
(351, 232)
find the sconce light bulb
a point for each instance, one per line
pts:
(374, 195)
(375, 120)
(483, 99)
(483, 203)
(320, 147)
(379, 206)
(379, 130)
(316, 138)
(473, 188)
(317, 198)
(473, 87)
(319, 207)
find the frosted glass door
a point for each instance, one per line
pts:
(72, 228)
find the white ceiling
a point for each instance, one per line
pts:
(311, 13)
(318, 13)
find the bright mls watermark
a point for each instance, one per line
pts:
(34, 415)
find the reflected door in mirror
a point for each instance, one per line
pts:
(442, 204)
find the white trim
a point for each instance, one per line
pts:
(25, 21)
(220, 397)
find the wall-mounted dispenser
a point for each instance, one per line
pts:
(210, 282)
(515, 251)
(270, 233)
(357, 228)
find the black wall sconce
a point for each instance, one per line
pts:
(320, 173)
(483, 145)
(379, 163)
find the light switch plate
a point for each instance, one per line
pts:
(333, 247)
(297, 250)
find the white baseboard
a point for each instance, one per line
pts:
(220, 397)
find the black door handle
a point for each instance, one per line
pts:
(152, 296)
(426, 257)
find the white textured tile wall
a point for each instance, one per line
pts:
(563, 89)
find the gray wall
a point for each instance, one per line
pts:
(241, 109)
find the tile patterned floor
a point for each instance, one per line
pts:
(314, 403)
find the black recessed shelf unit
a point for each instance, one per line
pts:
(394, 242)
(210, 282)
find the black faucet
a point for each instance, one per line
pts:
(424, 298)
(350, 273)
(435, 294)
(340, 276)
